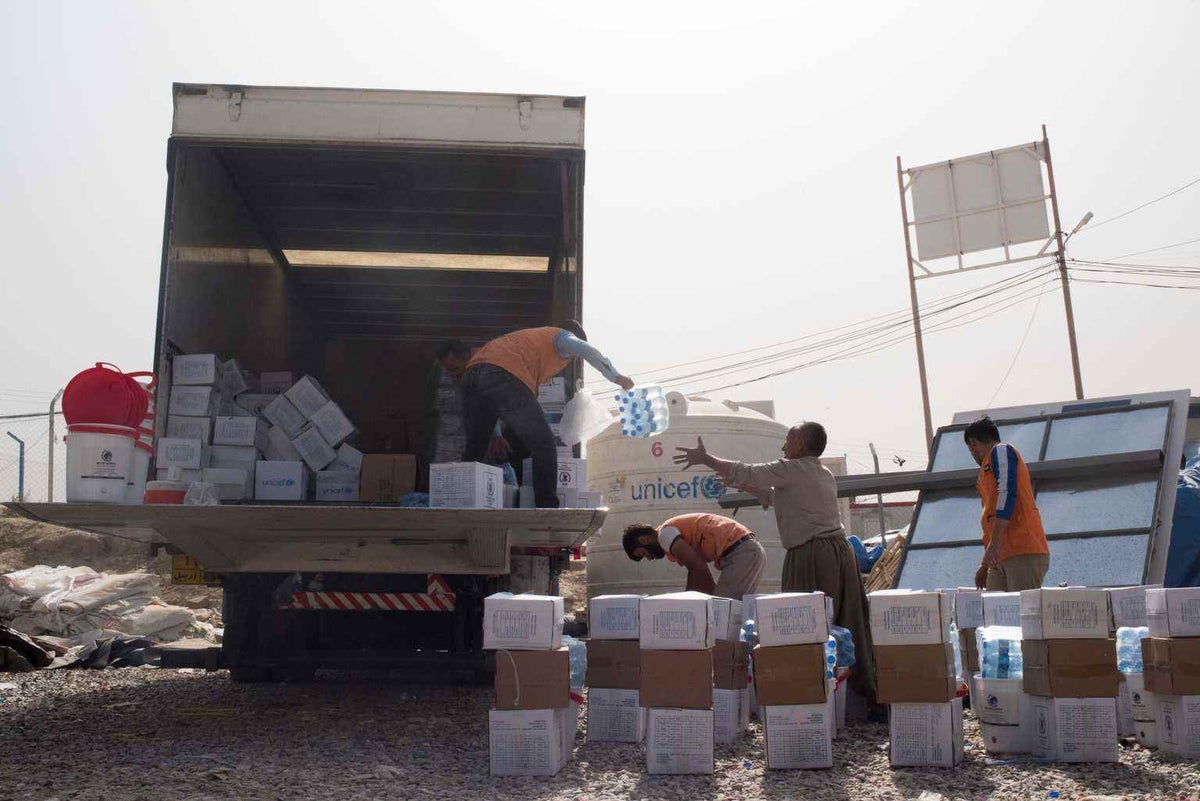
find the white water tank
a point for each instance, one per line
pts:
(641, 483)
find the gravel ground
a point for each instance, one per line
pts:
(159, 734)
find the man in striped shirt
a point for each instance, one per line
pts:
(1016, 555)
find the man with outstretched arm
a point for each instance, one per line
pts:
(698, 540)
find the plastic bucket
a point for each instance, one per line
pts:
(99, 462)
(165, 492)
(135, 485)
(104, 395)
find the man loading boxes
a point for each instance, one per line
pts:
(697, 540)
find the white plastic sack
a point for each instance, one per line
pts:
(158, 621)
(93, 595)
(583, 418)
(41, 580)
(202, 493)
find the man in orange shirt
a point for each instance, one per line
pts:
(698, 540)
(1016, 555)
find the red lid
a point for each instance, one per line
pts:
(103, 394)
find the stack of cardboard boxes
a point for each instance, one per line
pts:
(531, 730)
(794, 696)
(1070, 673)
(1171, 665)
(916, 675)
(614, 665)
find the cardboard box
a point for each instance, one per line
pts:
(387, 477)
(230, 482)
(280, 481)
(1141, 701)
(333, 424)
(1003, 702)
(522, 622)
(571, 473)
(1126, 726)
(182, 453)
(533, 679)
(677, 621)
(190, 428)
(1002, 609)
(915, 674)
(614, 716)
(929, 735)
(731, 665)
(236, 380)
(308, 396)
(840, 689)
(969, 647)
(968, 608)
(1179, 725)
(1070, 668)
(313, 449)
(591, 500)
(280, 412)
(466, 485)
(235, 456)
(614, 664)
(511, 498)
(279, 447)
(1128, 605)
(679, 741)
(337, 486)
(614, 617)
(276, 383)
(791, 618)
(1171, 666)
(348, 458)
(798, 737)
(728, 615)
(193, 401)
(677, 679)
(1074, 729)
(255, 404)
(1147, 733)
(195, 369)
(1064, 613)
(531, 742)
(1173, 612)
(904, 617)
(553, 391)
(728, 722)
(789, 675)
(568, 498)
(248, 431)
(185, 476)
(997, 739)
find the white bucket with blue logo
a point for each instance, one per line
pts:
(99, 462)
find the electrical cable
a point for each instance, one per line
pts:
(1172, 193)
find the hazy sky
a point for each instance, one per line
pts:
(740, 176)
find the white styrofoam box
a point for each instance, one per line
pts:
(571, 473)
(185, 476)
(280, 481)
(1074, 729)
(614, 716)
(999, 739)
(337, 486)
(553, 391)
(1173, 612)
(193, 401)
(195, 369)
(348, 458)
(1002, 609)
(1064, 613)
(465, 485)
(1128, 605)
(729, 618)
(968, 608)
(249, 431)
(614, 617)
(280, 412)
(677, 621)
(530, 742)
(526, 498)
(1126, 725)
(332, 422)
(791, 618)
(255, 404)
(307, 396)
(512, 496)
(1179, 724)
(926, 734)
(276, 383)
(905, 617)
(190, 428)
(522, 622)
(230, 482)
(1141, 702)
(313, 448)
(798, 736)
(279, 447)
(1002, 702)
(185, 453)
(679, 741)
(727, 716)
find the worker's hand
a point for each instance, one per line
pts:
(981, 577)
(499, 450)
(991, 557)
(764, 496)
(624, 382)
(690, 457)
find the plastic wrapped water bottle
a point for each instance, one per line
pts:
(1129, 648)
(958, 661)
(643, 411)
(749, 633)
(830, 656)
(510, 475)
(845, 646)
(1000, 654)
(578, 652)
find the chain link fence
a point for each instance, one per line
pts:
(30, 479)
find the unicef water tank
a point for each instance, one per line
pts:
(641, 483)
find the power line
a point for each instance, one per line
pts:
(1150, 250)
(1172, 193)
(1020, 347)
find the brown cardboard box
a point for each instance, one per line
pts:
(1070, 668)
(614, 664)
(789, 674)
(915, 674)
(533, 679)
(677, 679)
(1171, 666)
(386, 477)
(731, 665)
(970, 651)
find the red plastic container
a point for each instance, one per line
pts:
(103, 394)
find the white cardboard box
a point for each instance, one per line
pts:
(1002, 702)
(840, 689)
(999, 739)
(614, 716)
(195, 369)
(904, 617)
(522, 622)
(512, 496)
(255, 404)
(279, 447)
(926, 734)
(236, 380)
(193, 401)
(1002, 609)
(1173, 612)
(568, 498)
(614, 617)
(553, 391)
(308, 396)
(276, 383)
(1128, 605)
(280, 412)
(232, 456)
(729, 618)
(1142, 703)
(679, 741)
(683, 621)
(1126, 726)
(348, 458)
(1147, 733)
(968, 608)
(337, 486)
(190, 428)
(571, 473)
(1179, 725)
(248, 431)
(727, 716)
(230, 482)
(333, 424)
(313, 449)
(465, 485)
(530, 742)
(183, 453)
(1074, 729)
(186, 477)
(280, 481)
(1064, 613)
(791, 618)
(798, 736)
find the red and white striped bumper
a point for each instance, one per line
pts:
(439, 598)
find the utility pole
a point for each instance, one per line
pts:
(20, 466)
(50, 460)
(1062, 269)
(916, 311)
(879, 497)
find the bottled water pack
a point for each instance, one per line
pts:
(830, 657)
(959, 673)
(1000, 652)
(643, 411)
(1129, 648)
(578, 655)
(845, 646)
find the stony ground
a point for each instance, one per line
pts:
(157, 734)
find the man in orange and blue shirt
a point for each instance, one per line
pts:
(1016, 555)
(698, 540)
